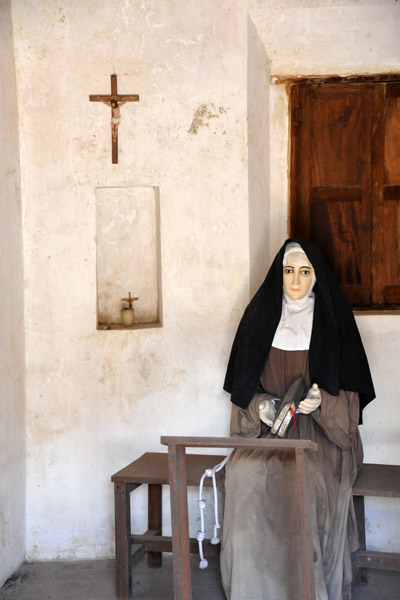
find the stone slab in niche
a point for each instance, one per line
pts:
(128, 254)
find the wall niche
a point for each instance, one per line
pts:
(128, 255)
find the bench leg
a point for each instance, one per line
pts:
(154, 559)
(179, 521)
(123, 556)
(360, 574)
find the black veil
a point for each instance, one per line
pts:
(337, 359)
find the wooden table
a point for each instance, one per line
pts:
(179, 504)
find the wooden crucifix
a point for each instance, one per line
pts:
(129, 300)
(115, 101)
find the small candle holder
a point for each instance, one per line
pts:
(127, 313)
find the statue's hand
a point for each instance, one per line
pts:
(311, 401)
(267, 411)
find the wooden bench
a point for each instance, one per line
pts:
(152, 469)
(381, 481)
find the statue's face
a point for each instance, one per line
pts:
(297, 275)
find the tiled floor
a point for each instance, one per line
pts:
(95, 580)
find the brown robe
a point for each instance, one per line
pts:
(260, 556)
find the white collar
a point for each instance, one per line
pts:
(295, 326)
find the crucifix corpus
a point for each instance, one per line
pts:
(115, 101)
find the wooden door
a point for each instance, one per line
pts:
(334, 180)
(386, 195)
(345, 183)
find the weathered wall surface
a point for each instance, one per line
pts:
(258, 118)
(345, 37)
(12, 403)
(98, 399)
(380, 431)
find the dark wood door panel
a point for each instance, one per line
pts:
(333, 185)
(392, 135)
(340, 135)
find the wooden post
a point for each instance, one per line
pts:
(180, 524)
(303, 494)
(123, 537)
(154, 520)
(360, 574)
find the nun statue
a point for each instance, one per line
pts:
(299, 327)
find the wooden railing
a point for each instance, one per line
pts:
(179, 504)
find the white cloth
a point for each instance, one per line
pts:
(295, 325)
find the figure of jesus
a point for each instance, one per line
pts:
(115, 101)
(115, 116)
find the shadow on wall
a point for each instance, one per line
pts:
(258, 86)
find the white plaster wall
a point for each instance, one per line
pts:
(330, 37)
(259, 177)
(12, 403)
(97, 400)
(344, 37)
